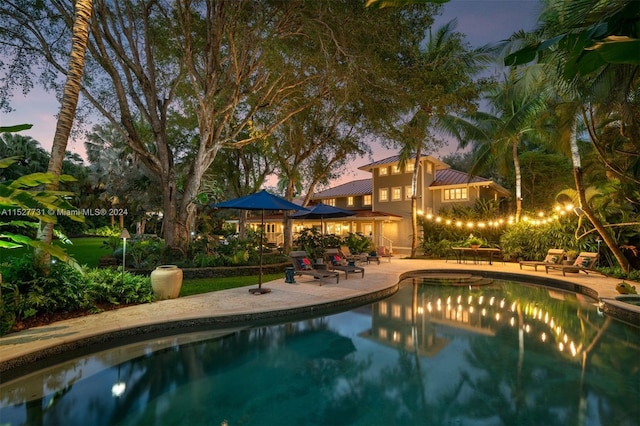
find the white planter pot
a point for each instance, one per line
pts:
(166, 281)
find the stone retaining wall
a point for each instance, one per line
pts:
(223, 271)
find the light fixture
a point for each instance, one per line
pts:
(124, 235)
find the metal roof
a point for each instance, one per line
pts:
(353, 188)
(456, 177)
(396, 159)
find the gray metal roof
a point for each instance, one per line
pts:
(456, 177)
(396, 159)
(446, 177)
(353, 188)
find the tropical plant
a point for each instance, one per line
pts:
(358, 243)
(21, 199)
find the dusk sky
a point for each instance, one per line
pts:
(483, 21)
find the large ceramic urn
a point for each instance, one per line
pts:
(166, 281)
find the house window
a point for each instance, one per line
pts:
(330, 202)
(429, 168)
(396, 193)
(407, 192)
(383, 171)
(366, 200)
(383, 194)
(456, 194)
(395, 169)
(350, 201)
(410, 167)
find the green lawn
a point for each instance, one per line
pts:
(206, 285)
(86, 250)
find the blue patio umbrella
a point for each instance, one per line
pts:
(262, 200)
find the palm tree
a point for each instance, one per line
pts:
(83, 10)
(497, 135)
(439, 83)
(591, 91)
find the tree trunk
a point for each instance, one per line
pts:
(516, 167)
(83, 9)
(586, 208)
(414, 201)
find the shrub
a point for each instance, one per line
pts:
(27, 292)
(112, 286)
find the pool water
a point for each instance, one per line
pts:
(488, 353)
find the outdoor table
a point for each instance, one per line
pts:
(477, 253)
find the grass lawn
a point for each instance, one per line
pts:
(86, 250)
(206, 285)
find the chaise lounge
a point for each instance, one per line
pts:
(302, 266)
(339, 263)
(554, 257)
(584, 262)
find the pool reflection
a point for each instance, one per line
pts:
(490, 353)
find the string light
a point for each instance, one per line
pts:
(541, 218)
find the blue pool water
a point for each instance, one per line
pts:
(498, 353)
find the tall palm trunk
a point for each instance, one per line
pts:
(586, 208)
(67, 111)
(414, 202)
(516, 167)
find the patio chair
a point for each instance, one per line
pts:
(584, 262)
(554, 257)
(303, 266)
(337, 262)
(382, 251)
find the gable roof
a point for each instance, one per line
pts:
(396, 159)
(446, 177)
(456, 177)
(353, 188)
(450, 177)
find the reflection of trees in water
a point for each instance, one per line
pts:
(302, 372)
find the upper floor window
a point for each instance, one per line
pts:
(456, 194)
(330, 202)
(410, 167)
(366, 200)
(396, 193)
(395, 169)
(383, 171)
(429, 168)
(407, 192)
(383, 194)
(350, 201)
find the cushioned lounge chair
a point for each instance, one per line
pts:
(337, 262)
(554, 257)
(303, 266)
(584, 262)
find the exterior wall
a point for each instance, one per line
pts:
(358, 203)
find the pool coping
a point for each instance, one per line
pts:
(37, 345)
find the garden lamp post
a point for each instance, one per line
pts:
(124, 235)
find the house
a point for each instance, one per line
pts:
(382, 203)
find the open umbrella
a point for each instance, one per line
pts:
(322, 211)
(262, 200)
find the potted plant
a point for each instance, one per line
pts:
(571, 256)
(474, 242)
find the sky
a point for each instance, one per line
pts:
(483, 22)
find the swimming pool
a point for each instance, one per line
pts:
(436, 352)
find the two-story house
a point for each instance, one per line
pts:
(382, 203)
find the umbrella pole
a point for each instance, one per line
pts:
(260, 290)
(261, 249)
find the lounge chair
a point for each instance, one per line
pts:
(584, 262)
(337, 262)
(554, 257)
(303, 266)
